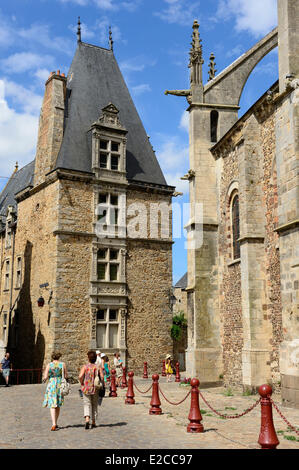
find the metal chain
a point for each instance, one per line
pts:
(283, 417)
(140, 390)
(227, 416)
(174, 403)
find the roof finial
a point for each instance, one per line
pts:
(79, 30)
(17, 166)
(212, 70)
(110, 39)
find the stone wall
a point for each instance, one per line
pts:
(149, 280)
(36, 245)
(230, 279)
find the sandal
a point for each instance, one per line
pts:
(53, 428)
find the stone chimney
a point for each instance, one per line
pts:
(50, 132)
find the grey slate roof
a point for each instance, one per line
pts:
(94, 80)
(182, 283)
(17, 182)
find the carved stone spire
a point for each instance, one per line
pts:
(110, 39)
(195, 65)
(196, 59)
(195, 93)
(212, 69)
(79, 30)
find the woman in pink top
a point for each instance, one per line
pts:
(87, 377)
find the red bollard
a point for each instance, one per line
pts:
(177, 377)
(155, 401)
(124, 379)
(130, 392)
(268, 438)
(145, 376)
(113, 385)
(195, 417)
(163, 369)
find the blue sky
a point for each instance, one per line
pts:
(151, 43)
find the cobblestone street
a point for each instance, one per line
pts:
(26, 425)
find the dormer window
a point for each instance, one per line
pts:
(109, 154)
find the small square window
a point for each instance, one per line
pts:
(104, 144)
(103, 160)
(114, 146)
(112, 315)
(113, 254)
(114, 162)
(101, 315)
(102, 198)
(102, 254)
(113, 200)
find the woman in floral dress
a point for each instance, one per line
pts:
(53, 396)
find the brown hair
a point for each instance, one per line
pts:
(92, 357)
(56, 355)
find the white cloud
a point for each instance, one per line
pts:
(179, 12)
(173, 153)
(140, 89)
(109, 5)
(18, 134)
(23, 98)
(42, 74)
(24, 61)
(184, 122)
(255, 16)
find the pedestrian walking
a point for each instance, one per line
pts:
(106, 367)
(87, 376)
(99, 359)
(168, 368)
(54, 398)
(117, 361)
(6, 368)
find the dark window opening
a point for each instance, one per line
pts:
(214, 125)
(236, 227)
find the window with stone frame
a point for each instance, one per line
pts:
(4, 327)
(19, 273)
(7, 275)
(109, 156)
(8, 238)
(108, 262)
(107, 328)
(108, 209)
(235, 221)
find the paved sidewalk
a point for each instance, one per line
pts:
(25, 424)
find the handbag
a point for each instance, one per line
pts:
(98, 383)
(65, 386)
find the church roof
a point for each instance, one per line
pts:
(95, 80)
(182, 283)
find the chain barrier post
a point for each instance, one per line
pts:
(155, 401)
(124, 378)
(130, 392)
(145, 376)
(195, 417)
(113, 384)
(267, 438)
(177, 376)
(163, 369)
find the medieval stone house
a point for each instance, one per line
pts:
(72, 278)
(243, 276)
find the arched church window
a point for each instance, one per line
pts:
(235, 226)
(214, 125)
